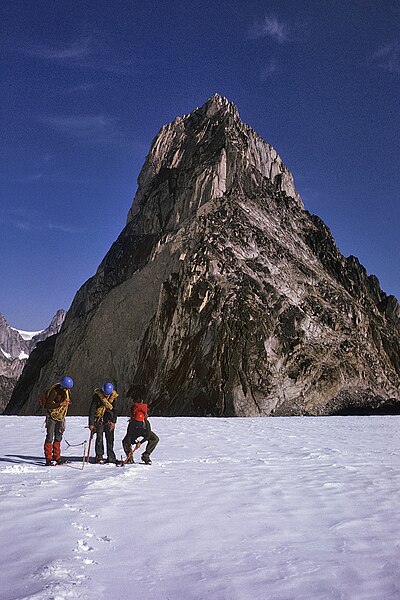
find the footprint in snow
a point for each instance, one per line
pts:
(88, 561)
(54, 571)
(89, 534)
(83, 546)
(59, 581)
(81, 511)
(86, 530)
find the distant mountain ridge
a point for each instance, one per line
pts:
(15, 348)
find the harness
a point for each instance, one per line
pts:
(106, 403)
(59, 414)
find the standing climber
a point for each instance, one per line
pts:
(102, 419)
(139, 427)
(57, 400)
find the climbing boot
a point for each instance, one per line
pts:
(146, 459)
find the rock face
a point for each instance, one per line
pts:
(15, 347)
(12, 344)
(7, 385)
(52, 329)
(223, 295)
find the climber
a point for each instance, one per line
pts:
(57, 400)
(139, 427)
(102, 419)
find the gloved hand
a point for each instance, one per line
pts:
(92, 427)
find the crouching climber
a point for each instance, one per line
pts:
(139, 431)
(56, 402)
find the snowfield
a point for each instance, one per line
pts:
(231, 509)
(27, 335)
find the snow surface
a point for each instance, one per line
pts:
(231, 509)
(27, 335)
(22, 355)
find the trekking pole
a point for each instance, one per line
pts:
(90, 443)
(84, 454)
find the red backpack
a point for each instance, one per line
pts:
(43, 398)
(139, 411)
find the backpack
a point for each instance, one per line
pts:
(137, 408)
(43, 398)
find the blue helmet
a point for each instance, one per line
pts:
(108, 388)
(66, 382)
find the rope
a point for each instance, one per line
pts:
(59, 414)
(74, 445)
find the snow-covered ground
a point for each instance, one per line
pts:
(231, 509)
(22, 355)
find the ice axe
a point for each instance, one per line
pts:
(84, 454)
(90, 443)
(129, 456)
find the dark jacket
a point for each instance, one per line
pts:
(137, 429)
(102, 408)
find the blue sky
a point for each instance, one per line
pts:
(87, 84)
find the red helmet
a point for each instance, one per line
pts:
(139, 416)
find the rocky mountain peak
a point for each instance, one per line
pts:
(203, 155)
(53, 328)
(12, 343)
(222, 295)
(15, 347)
(218, 104)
